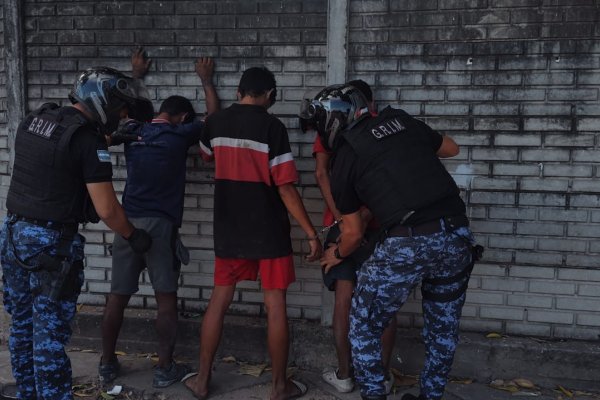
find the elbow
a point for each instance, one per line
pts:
(454, 151)
(448, 149)
(107, 213)
(320, 175)
(286, 190)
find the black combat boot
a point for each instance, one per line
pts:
(374, 397)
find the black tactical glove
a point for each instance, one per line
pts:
(127, 132)
(140, 241)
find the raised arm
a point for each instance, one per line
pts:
(140, 63)
(205, 68)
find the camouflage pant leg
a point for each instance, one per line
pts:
(40, 327)
(17, 302)
(441, 319)
(384, 284)
(380, 292)
(51, 333)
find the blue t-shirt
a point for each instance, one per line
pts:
(156, 168)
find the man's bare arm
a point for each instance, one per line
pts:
(205, 68)
(448, 148)
(292, 201)
(348, 241)
(108, 208)
(322, 177)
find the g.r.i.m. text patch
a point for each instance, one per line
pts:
(387, 128)
(42, 127)
(103, 155)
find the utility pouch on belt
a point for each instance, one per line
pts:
(459, 221)
(451, 224)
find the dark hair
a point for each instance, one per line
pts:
(363, 87)
(256, 81)
(175, 105)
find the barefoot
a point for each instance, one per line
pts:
(293, 389)
(197, 387)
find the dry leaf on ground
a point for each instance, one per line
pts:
(252, 370)
(566, 392)
(524, 383)
(462, 381)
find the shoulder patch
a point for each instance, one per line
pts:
(103, 155)
(42, 127)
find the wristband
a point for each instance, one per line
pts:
(337, 254)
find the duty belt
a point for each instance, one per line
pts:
(56, 226)
(426, 228)
(63, 246)
(430, 227)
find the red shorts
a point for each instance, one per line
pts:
(275, 273)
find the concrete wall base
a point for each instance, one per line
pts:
(572, 364)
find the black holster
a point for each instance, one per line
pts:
(58, 276)
(57, 273)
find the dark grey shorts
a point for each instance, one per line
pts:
(161, 260)
(347, 269)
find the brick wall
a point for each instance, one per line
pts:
(514, 82)
(287, 36)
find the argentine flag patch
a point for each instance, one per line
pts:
(103, 155)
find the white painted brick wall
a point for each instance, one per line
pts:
(522, 103)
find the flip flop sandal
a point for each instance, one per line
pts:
(185, 378)
(302, 388)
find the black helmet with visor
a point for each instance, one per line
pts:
(332, 110)
(104, 92)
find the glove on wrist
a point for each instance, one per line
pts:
(127, 132)
(140, 241)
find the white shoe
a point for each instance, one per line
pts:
(389, 383)
(341, 385)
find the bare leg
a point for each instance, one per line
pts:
(388, 340)
(111, 325)
(341, 327)
(278, 342)
(210, 336)
(166, 327)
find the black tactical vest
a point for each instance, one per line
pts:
(45, 185)
(398, 172)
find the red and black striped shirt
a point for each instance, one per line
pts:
(252, 157)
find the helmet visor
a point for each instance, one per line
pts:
(312, 115)
(135, 94)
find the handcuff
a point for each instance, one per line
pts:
(328, 227)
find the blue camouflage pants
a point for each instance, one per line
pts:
(40, 326)
(385, 281)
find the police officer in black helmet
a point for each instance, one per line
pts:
(61, 177)
(391, 163)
